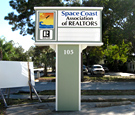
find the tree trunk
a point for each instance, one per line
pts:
(87, 58)
(82, 76)
(1, 55)
(45, 70)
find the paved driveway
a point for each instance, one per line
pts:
(108, 86)
(40, 86)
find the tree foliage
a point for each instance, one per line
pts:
(6, 49)
(25, 9)
(44, 56)
(118, 16)
(20, 55)
(92, 55)
(119, 53)
(118, 28)
(9, 52)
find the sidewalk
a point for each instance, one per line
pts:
(90, 108)
(119, 74)
(87, 108)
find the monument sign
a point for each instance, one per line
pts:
(68, 30)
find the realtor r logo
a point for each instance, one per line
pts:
(46, 33)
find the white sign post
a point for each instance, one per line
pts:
(68, 30)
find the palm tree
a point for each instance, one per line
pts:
(6, 49)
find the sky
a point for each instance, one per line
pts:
(5, 29)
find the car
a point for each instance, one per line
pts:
(85, 70)
(89, 68)
(97, 70)
(105, 68)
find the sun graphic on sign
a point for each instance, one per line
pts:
(46, 20)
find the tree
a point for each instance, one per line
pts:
(11, 53)
(115, 15)
(30, 53)
(25, 9)
(117, 55)
(73, 2)
(118, 23)
(92, 55)
(6, 49)
(129, 28)
(20, 55)
(44, 55)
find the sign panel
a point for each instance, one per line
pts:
(46, 20)
(79, 34)
(68, 18)
(66, 25)
(15, 74)
(46, 34)
(45, 25)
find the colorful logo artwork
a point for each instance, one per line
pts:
(46, 20)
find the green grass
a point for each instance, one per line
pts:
(108, 100)
(95, 92)
(47, 92)
(2, 108)
(52, 77)
(90, 92)
(100, 78)
(109, 78)
(108, 92)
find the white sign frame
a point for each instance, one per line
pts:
(59, 37)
